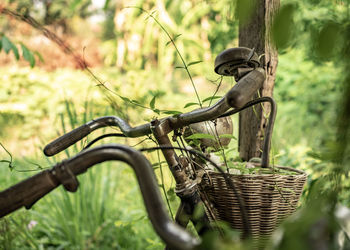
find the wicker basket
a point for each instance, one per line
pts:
(267, 198)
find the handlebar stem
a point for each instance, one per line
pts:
(184, 186)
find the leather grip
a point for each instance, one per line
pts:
(66, 140)
(245, 88)
(26, 193)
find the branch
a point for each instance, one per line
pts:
(80, 62)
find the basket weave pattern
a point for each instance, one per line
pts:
(268, 198)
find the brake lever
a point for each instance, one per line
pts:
(250, 56)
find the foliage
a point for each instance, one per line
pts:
(326, 36)
(53, 12)
(27, 55)
(141, 43)
(307, 132)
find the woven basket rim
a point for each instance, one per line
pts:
(298, 171)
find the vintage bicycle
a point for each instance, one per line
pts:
(225, 199)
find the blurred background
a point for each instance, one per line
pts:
(141, 76)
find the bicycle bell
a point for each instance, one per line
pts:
(217, 128)
(236, 62)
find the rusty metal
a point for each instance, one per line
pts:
(269, 128)
(160, 131)
(65, 176)
(31, 190)
(216, 128)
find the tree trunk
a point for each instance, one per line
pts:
(255, 34)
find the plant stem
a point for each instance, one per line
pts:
(177, 50)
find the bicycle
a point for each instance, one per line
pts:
(188, 171)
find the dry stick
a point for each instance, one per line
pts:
(80, 62)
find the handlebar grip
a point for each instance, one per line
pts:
(245, 88)
(66, 140)
(26, 193)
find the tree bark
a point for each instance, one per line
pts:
(255, 34)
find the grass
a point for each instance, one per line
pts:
(106, 212)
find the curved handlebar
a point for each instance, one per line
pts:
(66, 140)
(237, 97)
(27, 192)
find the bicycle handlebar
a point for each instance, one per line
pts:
(66, 140)
(27, 192)
(239, 95)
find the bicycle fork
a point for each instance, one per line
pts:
(191, 207)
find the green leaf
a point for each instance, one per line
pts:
(283, 26)
(15, 51)
(32, 60)
(171, 194)
(171, 112)
(27, 55)
(156, 111)
(328, 40)
(179, 67)
(190, 104)
(211, 98)
(136, 102)
(0, 45)
(193, 63)
(152, 102)
(125, 99)
(201, 136)
(174, 38)
(228, 136)
(39, 56)
(6, 44)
